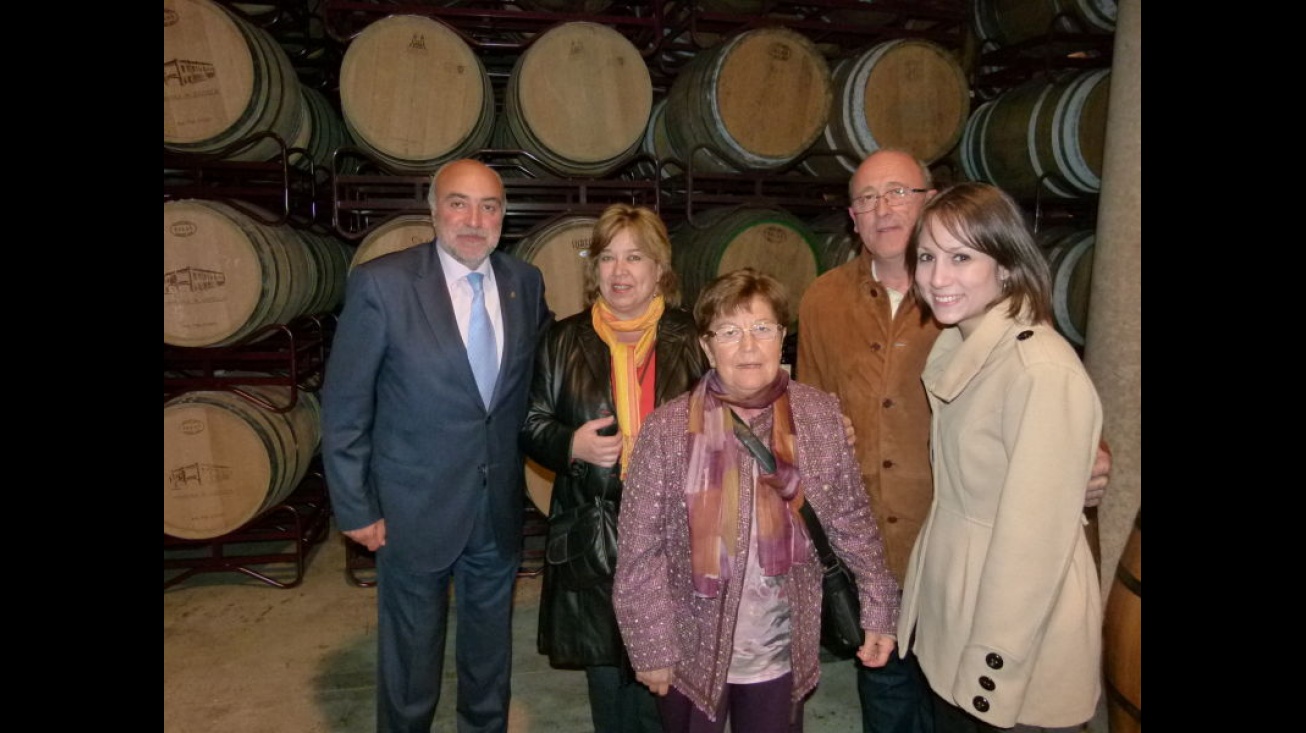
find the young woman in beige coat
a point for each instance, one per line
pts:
(1001, 592)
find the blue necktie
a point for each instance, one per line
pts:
(481, 351)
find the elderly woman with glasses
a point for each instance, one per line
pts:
(718, 586)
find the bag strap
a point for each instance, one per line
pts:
(767, 461)
(760, 452)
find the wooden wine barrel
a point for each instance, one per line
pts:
(224, 80)
(578, 100)
(1010, 22)
(322, 132)
(399, 233)
(771, 240)
(1070, 256)
(560, 248)
(1122, 640)
(227, 460)
(757, 101)
(833, 239)
(414, 95)
(657, 147)
(227, 275)
(908, 94)
(1045, 136)
(331, 260)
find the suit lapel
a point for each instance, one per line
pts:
(433, 296)
(512, 304)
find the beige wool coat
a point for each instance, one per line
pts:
(1001, 590)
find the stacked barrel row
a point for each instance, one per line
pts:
(228, 275)
(579, 103)
(1043, 138)
(579, 100)
(232, 270)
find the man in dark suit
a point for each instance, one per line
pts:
(424, 469)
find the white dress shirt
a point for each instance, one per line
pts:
(460, 292)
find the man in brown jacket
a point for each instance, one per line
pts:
(862, 338)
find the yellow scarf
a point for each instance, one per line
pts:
(626, 361)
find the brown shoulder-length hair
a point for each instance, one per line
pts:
(988, 220)
(728, 292)
(648, 231)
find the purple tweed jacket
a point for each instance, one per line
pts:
(664, 624)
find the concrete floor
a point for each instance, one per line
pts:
(241, 656)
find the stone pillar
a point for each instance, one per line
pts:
(1113, 343)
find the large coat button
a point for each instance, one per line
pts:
(994, 660)
(1024, 335)
(980, 704)
(987, 683)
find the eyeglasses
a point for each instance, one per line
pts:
(892, 197)
(731, 334)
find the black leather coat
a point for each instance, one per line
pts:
(573, 384)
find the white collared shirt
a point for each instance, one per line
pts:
(460, 292)
(895, 297)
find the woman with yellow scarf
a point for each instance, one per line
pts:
(598, 375)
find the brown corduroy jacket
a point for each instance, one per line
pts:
(849, 344)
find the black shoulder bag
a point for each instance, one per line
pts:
(581, 549)
(841, 624)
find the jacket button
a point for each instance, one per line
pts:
(994, 660)
(887, 464)
(888, 403)
(1024, 335)
(987, 683)
(875, 346)
(980, 704)
(891, 520)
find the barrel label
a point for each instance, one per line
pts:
(170, 17)
(193, 280)
(186, 72)
(417, 42)
(779, 51)
(198, 474)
